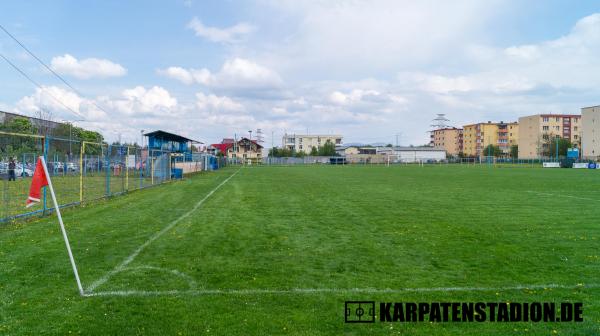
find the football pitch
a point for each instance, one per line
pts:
(278, 250)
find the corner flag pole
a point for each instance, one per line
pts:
(62, 226)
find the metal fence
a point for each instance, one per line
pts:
(84, 171)
(395, 160)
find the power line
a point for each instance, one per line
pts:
(40, 86)
(48, 68)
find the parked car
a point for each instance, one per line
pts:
(72, 167)
(56, 166)
(23, 172)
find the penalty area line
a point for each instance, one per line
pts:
(201, 292)
(130, 258)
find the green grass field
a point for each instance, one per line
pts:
(278, 250)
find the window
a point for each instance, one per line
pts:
(545, 128)
(575, 137)
(575, 128)
(545, 119)
(557, 128)
(557, 119)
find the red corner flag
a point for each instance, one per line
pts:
(39, 180)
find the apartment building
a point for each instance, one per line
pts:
(590, 120)
(476, 137)
(305, 143)
(508, 136)
(535, 132)
(449, 139)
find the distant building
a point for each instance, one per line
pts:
(590, 120)
(242, 150)
(535, 132)
(477, 137)
(412, 154)
(450, 139)
(305, 143)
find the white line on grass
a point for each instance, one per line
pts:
(559, 195)
(129, 259)
(334, 290)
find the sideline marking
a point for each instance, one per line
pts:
(331, 290)
(129, 259)
(559, 195)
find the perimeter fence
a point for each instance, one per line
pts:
(84, 171)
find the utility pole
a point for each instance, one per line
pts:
(71, 135)
(234, 146)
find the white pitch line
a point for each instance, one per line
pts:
(558, 195)
(129, 259)
(333, 290)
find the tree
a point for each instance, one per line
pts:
(491, 150)
(280, 152)
(549, 146)
(514, 151)
(314, 151)
(389, 145)
(19, 125)
(328, 149)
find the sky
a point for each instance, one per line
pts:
(368, 70)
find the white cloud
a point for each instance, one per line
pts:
(59, 102)
(86, 68)
(335, 37)
(235, 74)
(212, 102)
(155, 100)
(231, 34)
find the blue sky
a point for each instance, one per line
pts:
(364, 69)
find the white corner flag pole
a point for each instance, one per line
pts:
(62, 226)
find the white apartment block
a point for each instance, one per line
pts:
(305, 143)
(590, 145)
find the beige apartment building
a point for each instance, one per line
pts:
(508, 136)
(476, 137)
(305, 143)
(535, 132)
(590, 120)
(449, 139)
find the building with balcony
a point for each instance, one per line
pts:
(305, 143)
(508, 136)
(536, 131)
(477, 137)
(243, 150)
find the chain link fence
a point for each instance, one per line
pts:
(84, 171)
